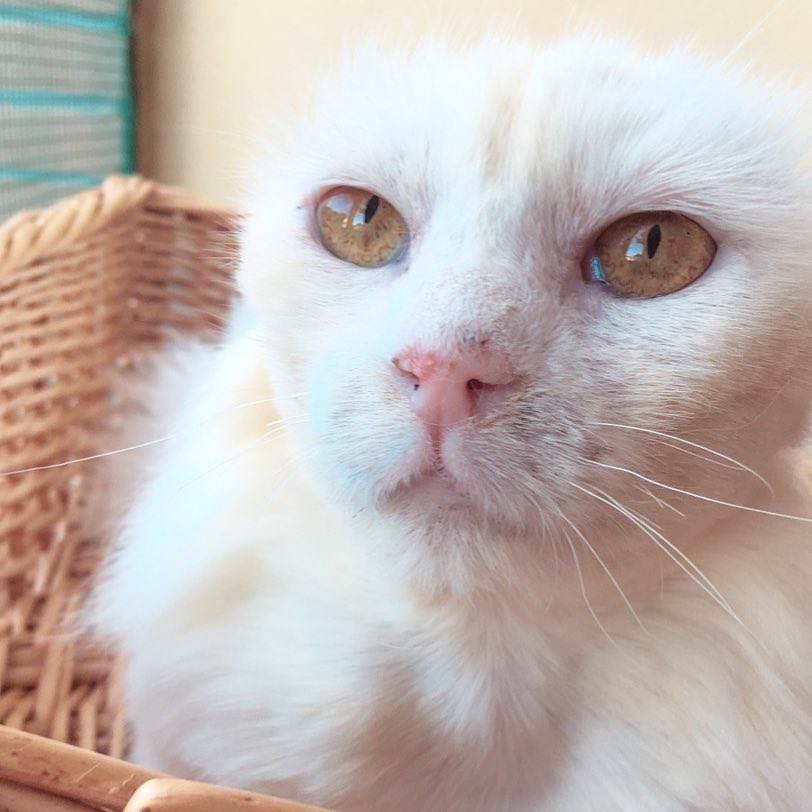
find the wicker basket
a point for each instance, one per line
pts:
(88, 289)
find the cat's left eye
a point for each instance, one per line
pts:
(650, 254)
(361, 227)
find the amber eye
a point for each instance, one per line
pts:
(650, 254)
(361, 227)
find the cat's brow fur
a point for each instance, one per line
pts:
(302, 616)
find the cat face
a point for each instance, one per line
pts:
(477, 379)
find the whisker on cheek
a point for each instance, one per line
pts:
(252, 445)
(147, 443)
(670, 549)
(717, 458)
(699, 496)
(605, 568)
(91, 457)
(659, 501)
(584, 594)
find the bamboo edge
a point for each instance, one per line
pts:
(40, 774)
(69, 772)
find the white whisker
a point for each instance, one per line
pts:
(660, 502)
(606, 570)
(138, 446)
(583, 588)
(670, 549)
(700, 456)
(646, 526)
(89, 458)
(274, 430)
(699, 496)
(754, 31)
(554, 540)
(734, 462)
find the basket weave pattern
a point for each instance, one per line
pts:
(88, 288)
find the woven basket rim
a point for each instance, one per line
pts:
(91, 289)
(31, 235)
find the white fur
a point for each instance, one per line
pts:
(303, 615)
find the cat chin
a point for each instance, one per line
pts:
(448, 490)
(439, 505)
(428, 494)
(441, 482)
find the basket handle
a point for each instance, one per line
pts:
(176, 795)
(50, 776)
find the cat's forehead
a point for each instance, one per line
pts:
(496, 104)
(586, 127)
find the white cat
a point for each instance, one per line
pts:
(537, 324)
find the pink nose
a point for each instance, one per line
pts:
(447, 388)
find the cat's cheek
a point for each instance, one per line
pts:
(365, 440)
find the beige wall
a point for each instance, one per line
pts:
(211, 71)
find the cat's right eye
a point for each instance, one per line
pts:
(650, 254)
(360, 227)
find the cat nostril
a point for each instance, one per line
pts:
(475, 385)
(405, 373)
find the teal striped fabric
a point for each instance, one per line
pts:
(66, 114)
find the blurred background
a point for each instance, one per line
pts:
(66, 114)
(209, 75)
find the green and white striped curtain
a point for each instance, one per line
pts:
(66, 113)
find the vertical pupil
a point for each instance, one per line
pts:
(371, 208)
(653, 240)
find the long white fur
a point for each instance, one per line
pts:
(303, 615)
